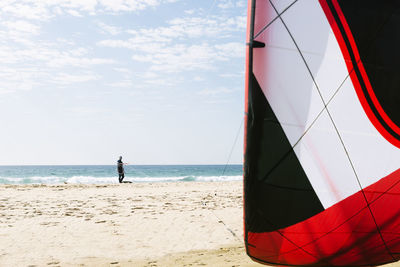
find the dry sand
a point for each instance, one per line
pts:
(159, 224)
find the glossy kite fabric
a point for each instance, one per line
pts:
(322, 132)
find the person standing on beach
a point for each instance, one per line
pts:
(120, 169)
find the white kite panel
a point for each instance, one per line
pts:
(310, 28)
(285, 81)
(281, 5)
(325, 162)
(264, 14)
(372, 155)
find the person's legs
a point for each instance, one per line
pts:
(121, 177)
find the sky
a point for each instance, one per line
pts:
(155, 81)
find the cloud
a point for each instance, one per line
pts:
(184, 58)
(179, 29)
(231, 75)
(47, 9)
(190, 11)
(22, 79)
(50, 57)
(227, 4)
(218, 95)
(26, 10)
(231, 50)
(74, 13)
(21, 26)
(108, 29)
(67, 59)
(122, 70)
(122, 84)
(128, 5)
(180, 57)
(190, 42)
(180, 45)
(66, 78)
(215, 91)
(217, 26)
(16, 76)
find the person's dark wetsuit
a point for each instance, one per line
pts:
(121, 170)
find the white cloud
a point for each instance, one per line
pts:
(108, 29)
(26, 10)
(218, 26)
(50, 56)
(128, 5)
(123, 70)
(47, 9)
(230, 75)
(87, 111)
(78, 52)
(185, 58)
(215, 91)
(122, 84)
(21, 26)
(63, 60)
(231, 50)
(143, 58)
(227, 4)
(179, 47)
(190, 11)
(21, 79)
(149, 75)
(150, 79)
(74, 13)
(241, 3)
(66, 78)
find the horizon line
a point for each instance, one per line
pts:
(173, 164)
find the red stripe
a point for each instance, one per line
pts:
(354, 78)
(347, 30)
(362, 69)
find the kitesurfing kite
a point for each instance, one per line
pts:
(322, 135)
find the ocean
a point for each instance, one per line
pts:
(107, 174)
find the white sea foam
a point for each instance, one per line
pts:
(33, 180)
(219, 178)
(112, 180)
(107, 180)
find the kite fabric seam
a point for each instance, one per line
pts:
(319, 114)
(348, 219)
(320, 94)
(336, 129)
(309, 127)
(265, 27)
(374, 198)
(362, 190)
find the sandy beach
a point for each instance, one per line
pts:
(143, 224)
(158, 224)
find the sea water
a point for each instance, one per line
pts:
(107, 174)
